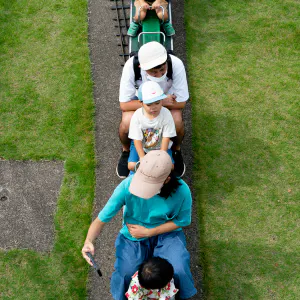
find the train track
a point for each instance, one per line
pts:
(121, 22)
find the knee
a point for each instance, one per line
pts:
(177, 117)
(143, 14)
(125, 122)
(131, 166)
(160, 14)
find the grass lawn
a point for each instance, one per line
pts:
(244, 67)
(47, 113)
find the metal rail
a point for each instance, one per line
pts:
(122, 24)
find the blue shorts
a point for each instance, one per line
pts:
(134, 157)
(130, 255)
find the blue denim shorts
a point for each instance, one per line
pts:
(130, 255)
(134, 157)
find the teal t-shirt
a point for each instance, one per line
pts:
(151, 212)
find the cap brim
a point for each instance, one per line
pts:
(140, 188)
(153, 63)
(148, 101)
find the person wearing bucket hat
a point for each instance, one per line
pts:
(153, 64)
(151, 126)
(156, 205)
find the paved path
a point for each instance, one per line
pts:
(28, 198)
(106, 72)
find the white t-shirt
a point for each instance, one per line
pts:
(177, 86)
(151, 132)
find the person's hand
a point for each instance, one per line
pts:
(156, 4)
(170, 100)
(88, 247)
(145, 5)
(138, 231)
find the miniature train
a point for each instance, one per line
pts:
(150, 30)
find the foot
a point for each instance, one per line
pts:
(133, 29)
(122, 167)
(168, 28)
(179, 166)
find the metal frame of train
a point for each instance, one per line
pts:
(150, 30)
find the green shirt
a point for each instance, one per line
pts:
(151, 212)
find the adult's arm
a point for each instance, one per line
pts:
(131, 105)
(179, 85)
(127, 89)
(138, 231)
(111, 208)
(93, 232)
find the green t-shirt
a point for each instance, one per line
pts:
(151, 212)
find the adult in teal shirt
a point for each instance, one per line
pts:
(156, 207)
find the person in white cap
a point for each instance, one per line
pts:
(151, 126)
(154, 64)
(156, 205)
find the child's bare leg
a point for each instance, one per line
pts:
(142, 11)
(168, 28)
(131, 166)
(143, 14)
(160, 15)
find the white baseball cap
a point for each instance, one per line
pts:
(150, 92)
(151, 55)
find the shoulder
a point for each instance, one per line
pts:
(138, 113)
(124, 184)
(183, 188)
(128, 67)
(165, 112)
(129, 63)
(176, 62)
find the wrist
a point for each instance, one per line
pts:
(151, 232)
(88, 241)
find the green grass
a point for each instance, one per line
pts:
(244, 67)
(47, 113)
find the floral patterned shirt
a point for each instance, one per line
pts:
(137, 292)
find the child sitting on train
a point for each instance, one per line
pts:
(151, 126)
(153, 280)
(141, 7)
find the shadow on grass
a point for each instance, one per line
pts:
(229, 157)
(252, 271)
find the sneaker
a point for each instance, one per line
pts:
(179, 166)
(133, 29)
(168, 28)
(122, 167)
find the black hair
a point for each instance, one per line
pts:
(159, 66)
(170, 187)
(155, 273)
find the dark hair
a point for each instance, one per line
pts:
(155, 273)
(170, 187)
(159, 66)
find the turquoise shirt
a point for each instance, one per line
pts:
(151, 212)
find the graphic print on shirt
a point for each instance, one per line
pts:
(152, 138)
